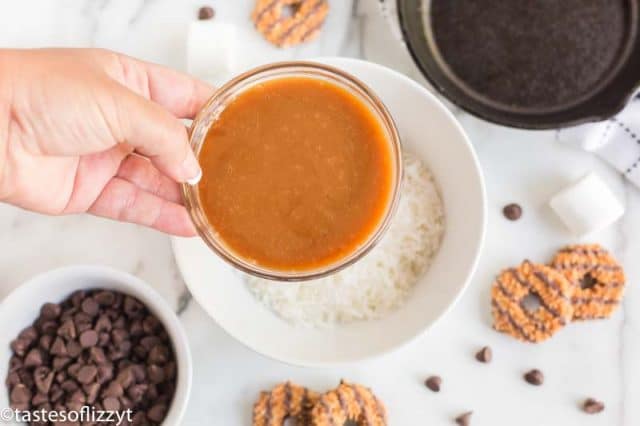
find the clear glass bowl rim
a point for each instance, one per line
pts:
(216, 104)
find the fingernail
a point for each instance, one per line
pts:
(192, 168)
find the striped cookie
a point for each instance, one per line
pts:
(349, 402)
(597, 277)
(284, 401)
(289, 22)
(548, 290)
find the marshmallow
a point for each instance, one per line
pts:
(211, 50)
(587, 206)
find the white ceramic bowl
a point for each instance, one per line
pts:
(20, 308)
(430, 131)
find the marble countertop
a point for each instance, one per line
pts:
(599, 359)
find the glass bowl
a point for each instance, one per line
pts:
(223, 97)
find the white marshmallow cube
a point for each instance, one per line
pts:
(211, 50)
(587, 206)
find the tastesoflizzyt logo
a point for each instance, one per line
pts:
(85, 414)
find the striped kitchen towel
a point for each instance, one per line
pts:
(617, 140)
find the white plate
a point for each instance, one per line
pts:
(427, 129)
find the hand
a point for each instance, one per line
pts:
(86, 130)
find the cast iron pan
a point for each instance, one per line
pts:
(599, 105)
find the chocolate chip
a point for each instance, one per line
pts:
(105, 373)
(50, 311)
(125, 378)
(111, 404)
(464, 419)
(13, 378)
(58, 347)
(73, 348)
(132, 307)
(103, 339)
(77, 297)
(29, 334)
(148, 342)
(48, 327)
(67, 329)
(534, 377)
(88, 339)
(86, 374)
(433, 383)
(512, 211)
(33, 358)
(45, 342)
(55, 393)
(119, 335)
(139, 419)
(19, 347)
(139, 372)
(113, 389)
(170, 370)
(39, 399)
(159, 354)
(60, 362)
(97, 356)
(135, 328)
(69, 386)
(15, 363)
(157, 412)
(91, 390)
(104, 298)
(43, 378)
(206, 12)
(125, 403)
(150, 325)
(137, 392)
(592, 406)
(103, 323)
(484, 355)
(20, 394)
(90, 307)
(155, 374)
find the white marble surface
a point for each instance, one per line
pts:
(599, 359)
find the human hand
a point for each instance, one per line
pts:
(88, 130)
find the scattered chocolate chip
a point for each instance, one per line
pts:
(512, 211)
(534, 377)
(433, 383)
(60, 362)
(592, 406)
(484, 355)
(464, 419)
(206, 12)
(45, 342)
(69, 386)
(29, 334)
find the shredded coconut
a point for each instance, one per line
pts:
(381, 281)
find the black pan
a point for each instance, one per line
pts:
(601, 104)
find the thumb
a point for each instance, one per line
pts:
(155, 133)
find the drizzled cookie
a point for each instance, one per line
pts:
(289, 22)
(597, 278)
(531, 302)
(286, 400)
(349, 402)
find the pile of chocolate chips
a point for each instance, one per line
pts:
(98, 348)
